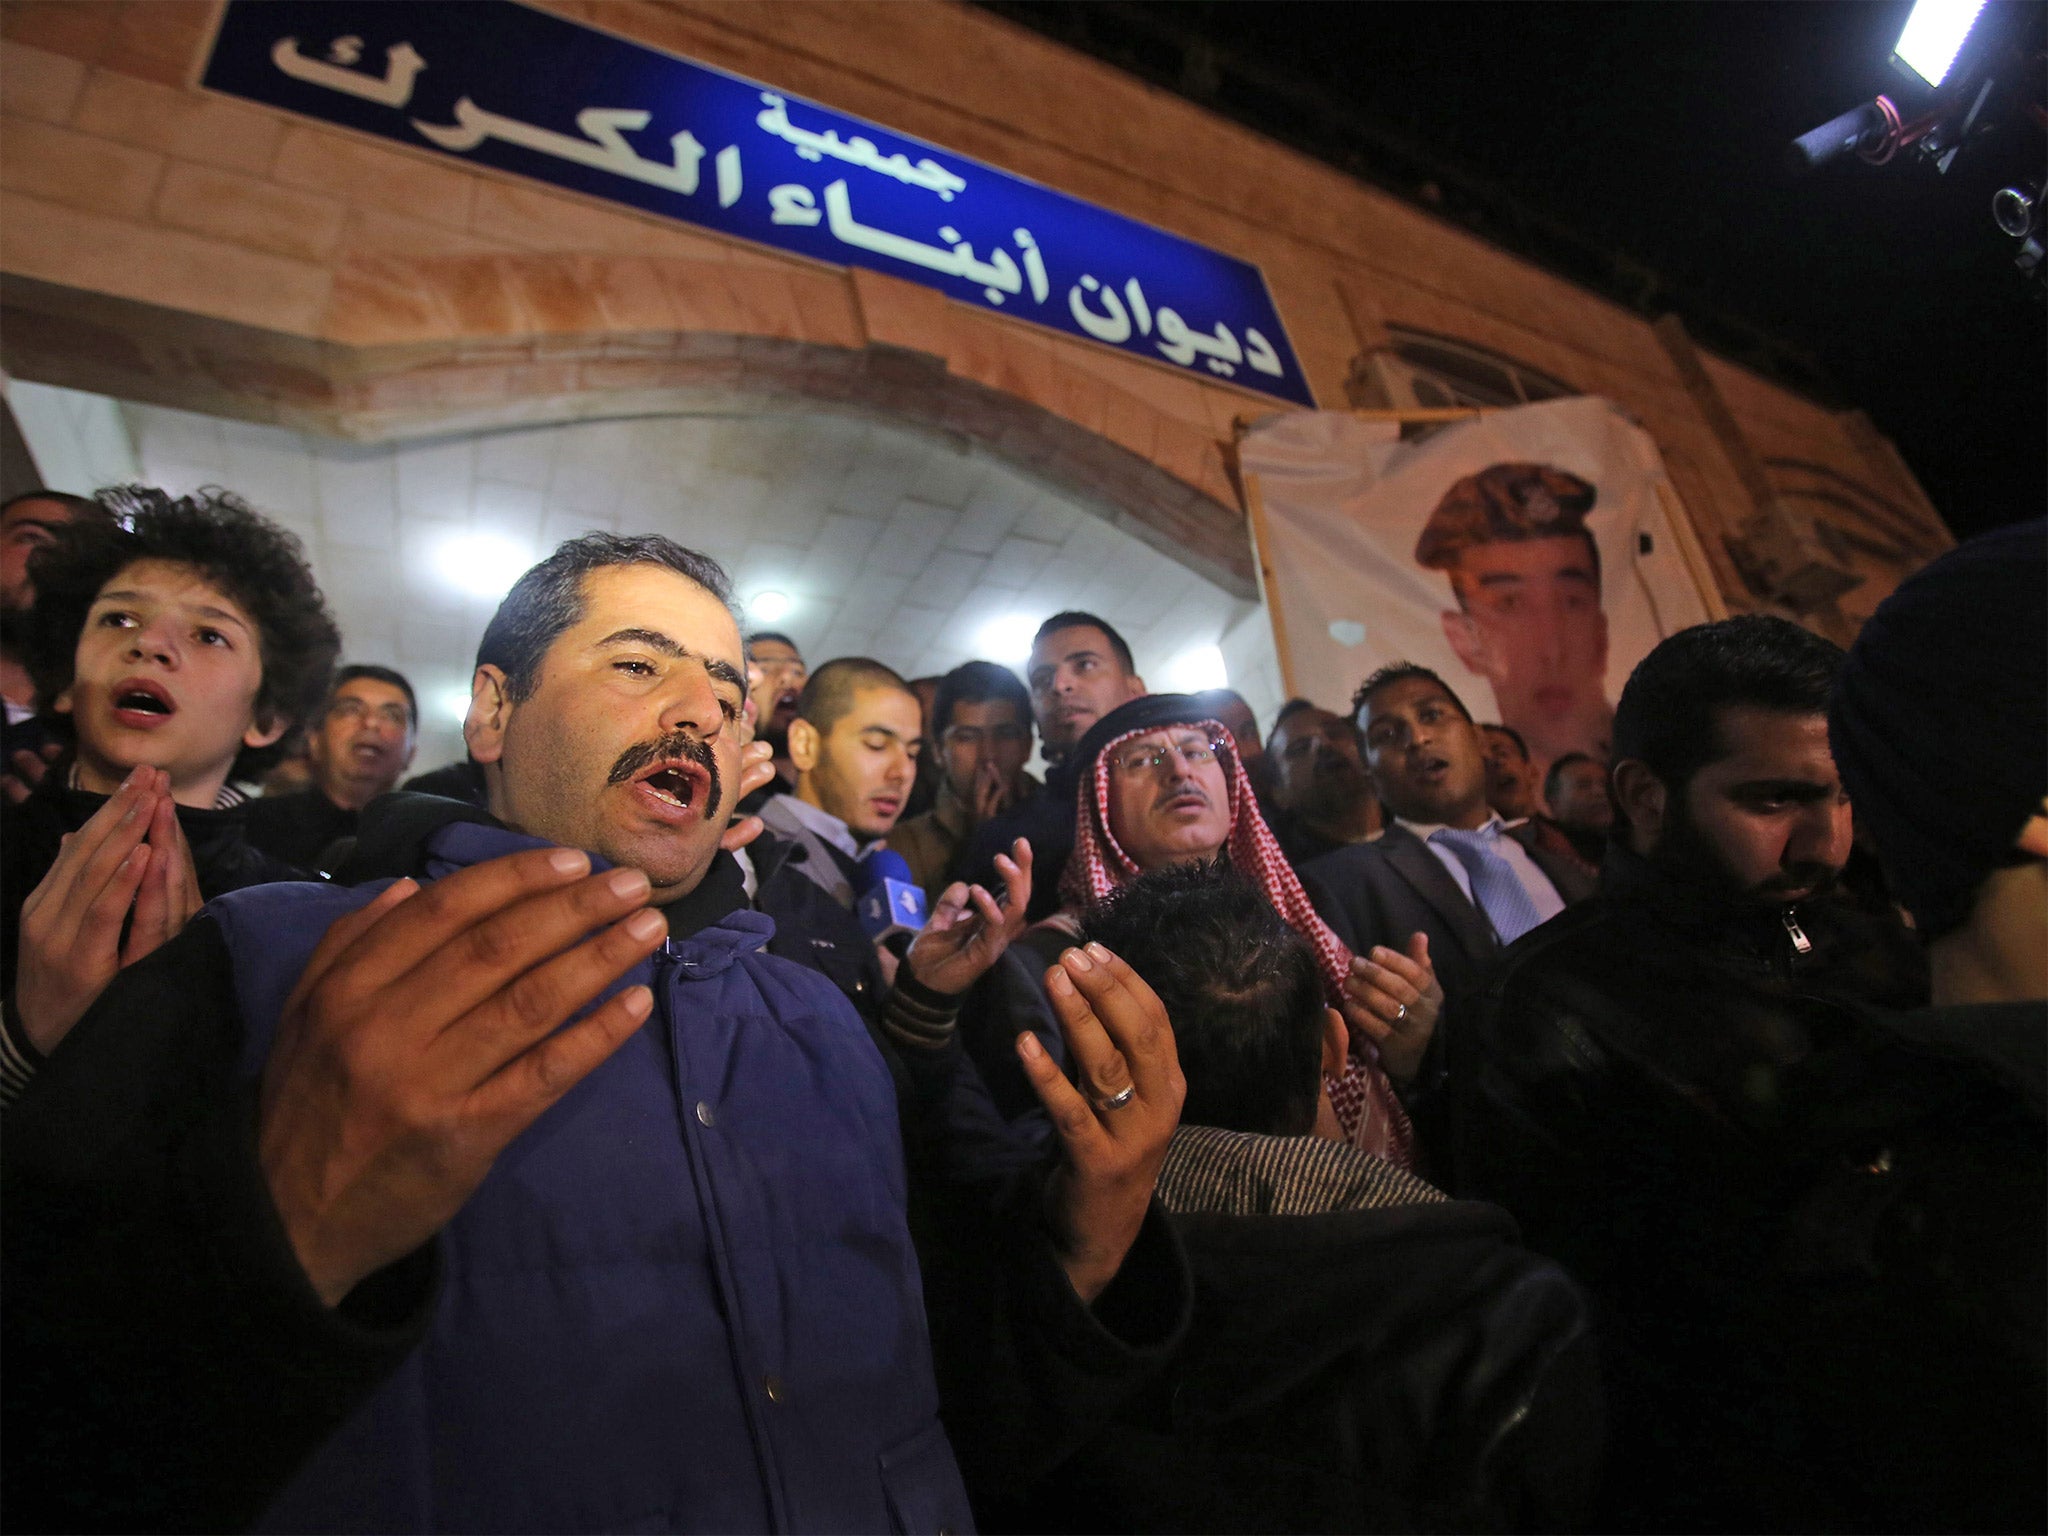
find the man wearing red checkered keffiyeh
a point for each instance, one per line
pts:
(1364, 1100)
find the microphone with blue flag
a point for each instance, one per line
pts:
(888, 900)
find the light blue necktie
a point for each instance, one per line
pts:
(1495, 886)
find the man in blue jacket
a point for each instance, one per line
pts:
(676, 1283)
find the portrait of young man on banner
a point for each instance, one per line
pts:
(1529, 556)
(1526, 575)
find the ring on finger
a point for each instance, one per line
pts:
(1400, 1012)
(1119, 1099)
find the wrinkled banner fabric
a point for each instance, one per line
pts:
(1345, 505)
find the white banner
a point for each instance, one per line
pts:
(1526, 556)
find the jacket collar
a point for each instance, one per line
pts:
(792, 817)
(1412, 859)
(406, 834)
(1236, 1173)
(209, 832)
(1759, 930)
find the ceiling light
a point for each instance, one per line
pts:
(767, 607)
(1934, 35)
(453, 703)
(1007, 639)
(482, 564)
(1192, 671)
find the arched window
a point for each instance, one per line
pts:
(1439, 373)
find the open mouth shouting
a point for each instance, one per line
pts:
(141, 704)
(675, 779)
(675, 787)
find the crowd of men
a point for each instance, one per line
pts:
(741, 1095)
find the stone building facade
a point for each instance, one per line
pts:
(165, 245)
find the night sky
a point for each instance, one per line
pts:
(1655, 132)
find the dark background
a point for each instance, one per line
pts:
(1637, 148)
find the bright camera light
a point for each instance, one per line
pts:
(1934, 35)
(1192, 671)
(453, 703)
(767, 607)
(1007, 639)
(482, 564)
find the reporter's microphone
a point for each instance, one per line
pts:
(888, 900)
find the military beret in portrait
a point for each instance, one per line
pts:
(1504, 503)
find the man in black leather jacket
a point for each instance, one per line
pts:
(1779, 1204)
(1365, 1355)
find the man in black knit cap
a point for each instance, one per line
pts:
(1961, 833)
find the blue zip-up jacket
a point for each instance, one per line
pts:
(685, 1299)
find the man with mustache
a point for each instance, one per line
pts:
(1319, 788)
(363, 741)
(266, 1172)
(1157, 783)
(1667, 1088)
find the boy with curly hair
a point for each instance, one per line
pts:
(177, 645)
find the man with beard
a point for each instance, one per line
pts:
(1080, 670)
(1321, 796)
(780, 675)
(364, 740)
(1669, 1088)
(687, 1296)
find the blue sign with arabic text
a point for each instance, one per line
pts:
(534, 94)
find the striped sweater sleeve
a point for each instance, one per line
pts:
(914, 1015)
(19, 1058)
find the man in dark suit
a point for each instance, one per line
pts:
(1446, 865)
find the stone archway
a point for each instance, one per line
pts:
(417, 346)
